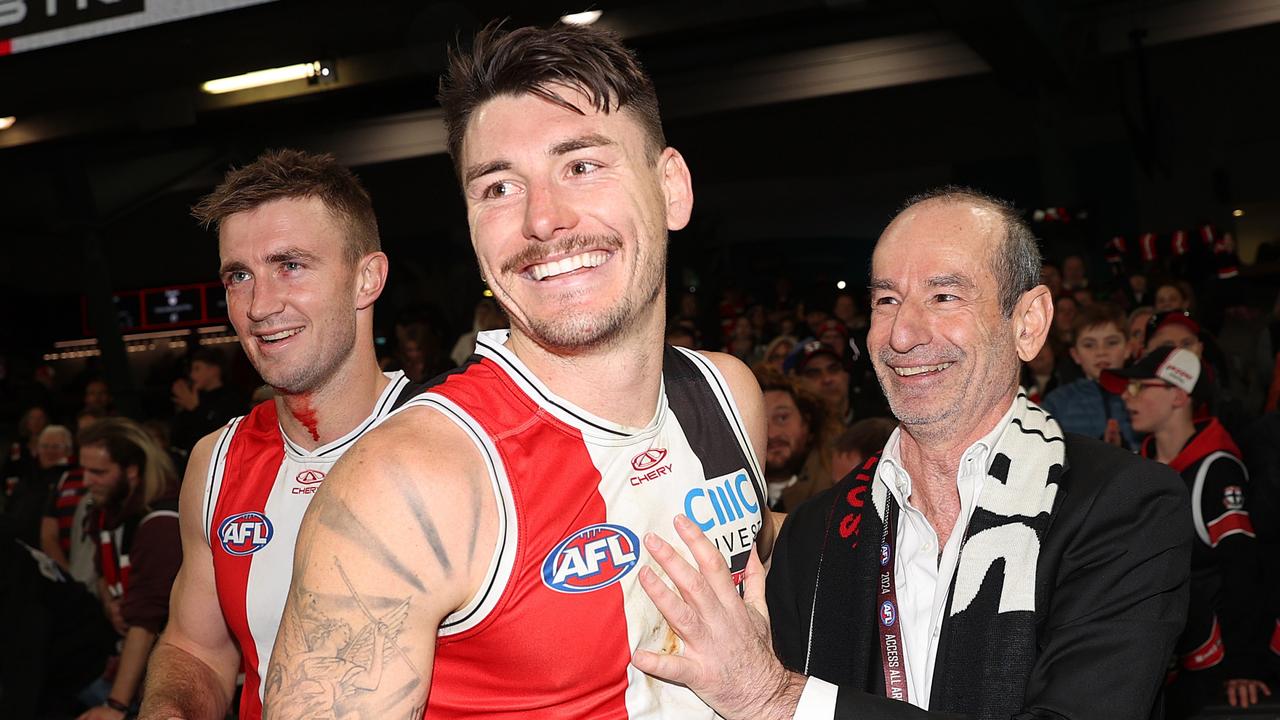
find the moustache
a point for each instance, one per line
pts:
(887, 356)
(567, 245)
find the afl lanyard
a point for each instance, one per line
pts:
(892, 652)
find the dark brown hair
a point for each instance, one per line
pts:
(1098, 314)
(281, 174)
(531, 60)
(128, 445)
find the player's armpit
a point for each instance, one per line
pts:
(192, 671)
(398, 537)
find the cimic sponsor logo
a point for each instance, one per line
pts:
(310, 481)
(728, 502)
(245, 533)
(592, 558)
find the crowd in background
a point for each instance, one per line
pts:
(826, 415)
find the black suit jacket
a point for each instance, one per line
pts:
(1111, 596)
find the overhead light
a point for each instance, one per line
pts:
(841, 285)
(582, 18)
(7, 122)
(487, 292)
(271, 76)
(1237, 213)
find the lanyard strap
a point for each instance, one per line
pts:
(892, 652)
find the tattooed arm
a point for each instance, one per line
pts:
(399, 536)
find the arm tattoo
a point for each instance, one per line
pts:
(330, 662)
(334, 515)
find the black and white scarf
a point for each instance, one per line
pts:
(988, 642)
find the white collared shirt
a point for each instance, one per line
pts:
(922, 577)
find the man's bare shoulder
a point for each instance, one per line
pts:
(733, 369)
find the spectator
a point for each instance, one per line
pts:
(1172, 296)
(776, 352)
(853, 446)
(1073, 274)
(1064, 317)
(1223, 628)
(24, 507)
(86, 418)
(64, 495)
(850, 312)
(1082, 406)
(486, 316)
(681, 336)
(1039, 375)
(1051, 277)
(134, 490)
(819, 369)
(203, 402)
(420, 353)
(1138, 290)
(97, 397)
(22, 452)
(797, 458)
(1137, 341)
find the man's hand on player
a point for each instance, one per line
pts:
(727, 658)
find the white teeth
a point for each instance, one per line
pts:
(569, 264)
(908, 371)
(281, 335)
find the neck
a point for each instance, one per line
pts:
(322, 415)
(932, 459)
(618, 381)
(1173, 436)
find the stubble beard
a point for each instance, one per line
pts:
(568, 333)
(306, 375)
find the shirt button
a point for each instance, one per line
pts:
(925, 548)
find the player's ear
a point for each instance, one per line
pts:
(371, 275)
(677, 188)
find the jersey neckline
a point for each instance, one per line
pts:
(396, 382)
(492, 344)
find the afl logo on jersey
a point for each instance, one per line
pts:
(648, 459)
(594, 557)
(245, 533)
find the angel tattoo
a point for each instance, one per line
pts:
(328, 664)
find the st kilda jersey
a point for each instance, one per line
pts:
(258, 487)
(551, 631)
(1223, 618)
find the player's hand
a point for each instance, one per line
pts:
(1243, 692)
(101, 712)
(1112, 434)
(185, 396)
(727, 658)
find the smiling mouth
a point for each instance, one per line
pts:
(556, 268)
(277, 337)
(921, 369)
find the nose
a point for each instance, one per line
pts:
(265, 299)
(910, 328)
(547, 212)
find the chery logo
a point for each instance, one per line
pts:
(310, 477)
(648, 459)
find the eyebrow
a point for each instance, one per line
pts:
(954, 280)
(564, 147)
(286, 255)
(882, 284)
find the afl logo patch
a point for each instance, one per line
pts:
(594, 557)
(884, 554)
(648, 459)
(888, 616)
(310, 477)
(245, 533)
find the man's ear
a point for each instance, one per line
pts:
(677, 188)
(1032, 319)
(371, 275)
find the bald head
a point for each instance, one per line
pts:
(1011, 248)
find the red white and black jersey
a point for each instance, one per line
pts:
(1223, 621)
(551, 631)
(258, 487)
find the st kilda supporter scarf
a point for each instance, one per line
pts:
(988, 641)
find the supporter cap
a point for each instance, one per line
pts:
(807, 350)
(1177, 366)
(1172, 317)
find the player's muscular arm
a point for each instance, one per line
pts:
(750, 402)
(399, 536)
(192, 670)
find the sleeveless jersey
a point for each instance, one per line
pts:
(258, 487)
(551, 631)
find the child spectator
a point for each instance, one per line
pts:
(1224, 629)
(1082, 406)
